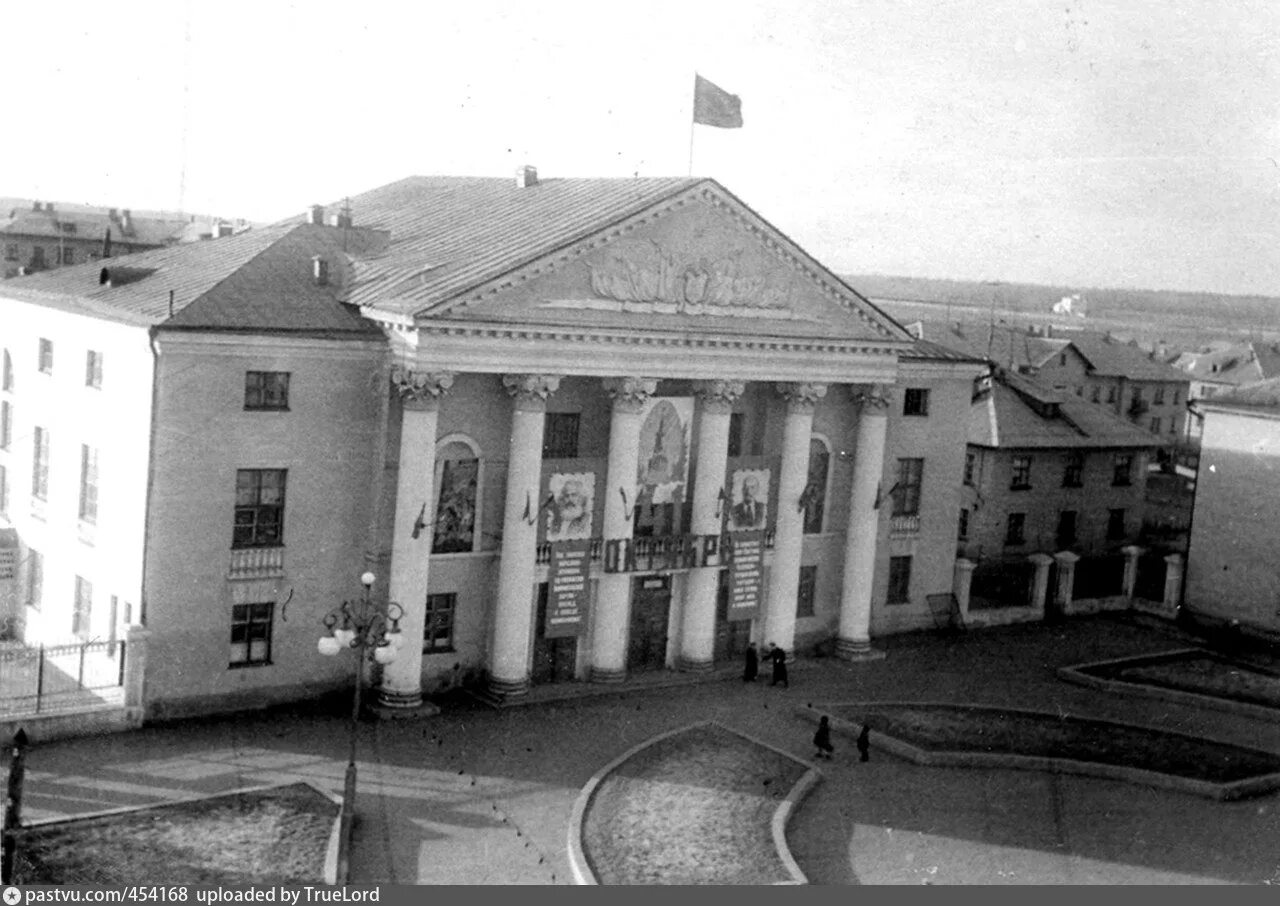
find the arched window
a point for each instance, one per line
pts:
(815, 492)
(457, 517)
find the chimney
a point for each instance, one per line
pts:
(526, 176)
(37, 206)
(114, 214)
(342, 219)
(126, 220)
(48, 207)
(221, 229)
(320, 269)
(316, 218)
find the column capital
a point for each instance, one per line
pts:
(964, 565)
(629, 394)
(1066, 558)
(421, 389)
(530, 391)
(871, 398)
(803, 396)
(719, 396)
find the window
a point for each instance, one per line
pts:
(1073, 474)
(1062, 359)
(805, 591)
(11, 252)
(68, 255)
(83, 610)
(1175, 397)
(251, 634)
(46, 356)
(8, 371)
(259, 519)
(35, 579)
(963, 532)
(37, 257)
(1136, 402)
(899, 580)
(88, 483)
(1021, 473)
(1155, 424)
(906, 493)
(1097, 393)
(1080, 390)
(970, 467)
(735, 433)
(437, 633)
(40, 464)
(6, 424)
(915, 401)
(1173, 426)
(1111, 394)
(1123, 469)
(1115, 525)
(1015, 532)
(1157, 396)
(93, 369)
(1066, 529)
(561, 438)
(266, 390)
(815, 491)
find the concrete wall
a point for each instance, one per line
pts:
(329, 443)
(1233, 572)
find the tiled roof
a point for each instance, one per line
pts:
(1112, 358)
(1008, 417)
(1261, 396)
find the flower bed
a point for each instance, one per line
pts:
(1198, 672)
(693, 808)
(272, 836)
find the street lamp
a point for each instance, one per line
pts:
(372, 628)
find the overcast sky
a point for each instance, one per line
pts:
(1121, 143)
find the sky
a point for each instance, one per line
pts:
(1128, 143)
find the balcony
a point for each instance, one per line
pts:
(904, 526)
(256, 563)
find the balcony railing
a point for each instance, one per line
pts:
(256, 563)
(904, 525)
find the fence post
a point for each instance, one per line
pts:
(1040, 582)
(40, 679)
(135, 666)
(13, 807)
(961, 583)
(80, 677)
(1131, 554)
(1067, 561)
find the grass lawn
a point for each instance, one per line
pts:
(273, 836)
(693, 808)
(1199, 672)
(957, 728)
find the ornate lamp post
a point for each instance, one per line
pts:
(372, 628)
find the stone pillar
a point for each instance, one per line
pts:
(1172, 583)
(135, 666)
(853, 639)
(412, 534)
(1131, 554)
(788, 537)
(513, 620)
(613, 590)
(1066, 579)
(961, 580)
(1040, 582)
(698, 628)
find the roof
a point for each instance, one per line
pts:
(1113, 358)
(1261, 398)
(1246, 363)
(82, 225)
(926, 350)
(1019, 413)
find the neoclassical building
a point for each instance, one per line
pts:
(577, 428)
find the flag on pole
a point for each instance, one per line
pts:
(713, 106)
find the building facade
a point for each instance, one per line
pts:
(576, 428)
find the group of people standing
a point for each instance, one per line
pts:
(775, 656)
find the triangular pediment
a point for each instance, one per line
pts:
(700, 261)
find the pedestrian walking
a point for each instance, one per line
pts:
(822, 739)
(779, 658)
(752, 669)
(864, 743)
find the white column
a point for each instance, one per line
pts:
(420, 395)
(698, 626)
(853, 639)
(1040, 582)
(613, 590)
(1172, 584)
(1066, 579)
(961, 582)
(513, 619)
(1131, 554)
(788, 537)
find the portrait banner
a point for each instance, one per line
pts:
(570, 507)
(746, 575)
(749, 500)
(567, 589)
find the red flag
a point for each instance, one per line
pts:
(713, 106)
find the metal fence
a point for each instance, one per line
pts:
(1100, 576)
(1001, 584)
(58, 677)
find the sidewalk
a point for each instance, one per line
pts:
(483, 796)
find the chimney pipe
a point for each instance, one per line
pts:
(36, 206)
(126, 220)
(526, 176)
(320, 269)
(221, 229)
(317, 215)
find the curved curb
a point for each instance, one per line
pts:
(1075, 674)
(1236, 789)
(580, 865)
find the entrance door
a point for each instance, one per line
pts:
(731, 637)
(650, 612)
(553, 659)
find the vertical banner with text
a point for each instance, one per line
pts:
(746, 574)
(567, 588)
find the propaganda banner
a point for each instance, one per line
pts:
(567, 591)
(746, 574)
